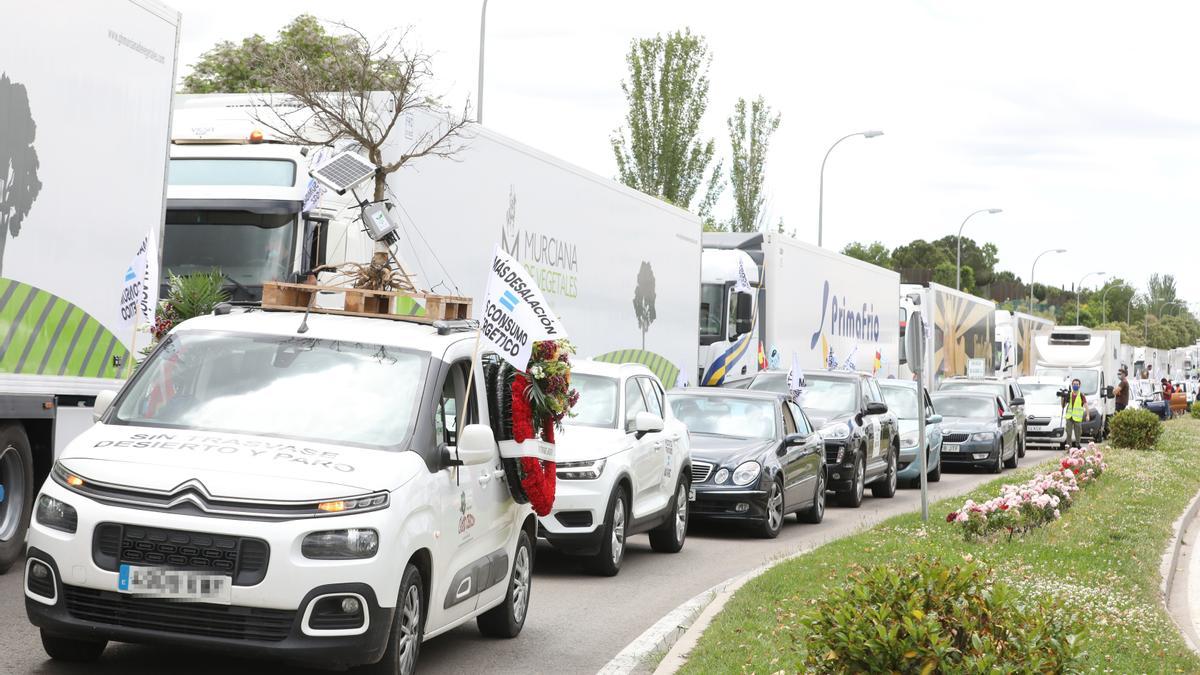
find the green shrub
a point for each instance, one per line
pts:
(925, 616)
(1135, 428)
(1195, 411)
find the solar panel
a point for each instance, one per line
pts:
(343, 172)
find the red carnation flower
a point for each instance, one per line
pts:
(950, 517)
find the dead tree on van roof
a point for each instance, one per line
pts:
(360, 94)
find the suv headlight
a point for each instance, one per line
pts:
(352, 544)
(908, 439)
(57, 514)
(589, 470)
(746, 473)
(983, 436)
(835, 432)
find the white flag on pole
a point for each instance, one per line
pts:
(131, 288)
(149, 301)
(515, 314)
(742, 285)
(795, 379)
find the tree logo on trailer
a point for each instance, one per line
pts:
(643, 300)
(19, 184)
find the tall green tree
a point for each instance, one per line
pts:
(982, 259)
(875, 253)
(750, 130)
(919, 254)
(659, 149)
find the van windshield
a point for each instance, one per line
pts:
(326, 391)
(1089, 380)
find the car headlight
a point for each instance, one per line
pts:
(589, 470)
(721, 476)
(746, 473)
(908, 439)
(835, 432)
(984, 436)
(57, 514)
(352, 544)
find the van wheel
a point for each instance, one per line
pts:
(16, 493)
(669, 537)
(608, 561)
(69, 649)
(886, 487)
(853, 498)
(506, 619)
(408, 628)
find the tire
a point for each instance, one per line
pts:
(886, 488)
(998, 467)
(506, 619)
(16, 504)
(607, 562)
(815, 513)
(70, 649)
(936, 474)
(1012, 462)
(773, 514)
(853, 498)
(669, 537)
(1024, 439)
(407, 630)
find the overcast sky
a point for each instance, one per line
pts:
(1081, 120)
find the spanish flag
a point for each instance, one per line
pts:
(762, 356)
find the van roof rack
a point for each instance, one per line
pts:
(455, 326)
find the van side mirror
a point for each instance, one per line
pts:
(476, 445)
(104, 401)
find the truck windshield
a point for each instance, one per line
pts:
(597, 401)
(250, 248)
(326, 391)
(1089, 380)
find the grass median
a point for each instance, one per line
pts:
(1101, 560)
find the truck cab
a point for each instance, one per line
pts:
(1070, 352)
(728, 336)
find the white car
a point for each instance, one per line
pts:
(1044, 410)
(624, 468)
(310, 496)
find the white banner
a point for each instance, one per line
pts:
(139, 292)
(515, 315)
(742, 285)
(795, 379)
(150, 280)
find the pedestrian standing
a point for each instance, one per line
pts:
(1122, 391)
(1075, 411)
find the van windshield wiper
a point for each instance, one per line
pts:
(237, 284)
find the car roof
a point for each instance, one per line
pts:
(617, 370)
(898, 384)
(1040, 379)
(986, 379)
(721, 392)
(968, 394)
(837, 374)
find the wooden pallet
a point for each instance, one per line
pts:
(363, 302)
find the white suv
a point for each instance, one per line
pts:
(322, 495)
(624, 468)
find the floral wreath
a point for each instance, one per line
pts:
(541, 398)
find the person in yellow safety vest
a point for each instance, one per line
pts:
(1075, 412)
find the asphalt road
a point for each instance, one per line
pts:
(576, 624)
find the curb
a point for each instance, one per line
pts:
(1169, 567)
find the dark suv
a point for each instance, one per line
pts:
(862, 438)
(1006, 389)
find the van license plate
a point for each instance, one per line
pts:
(951, 447)
(183, 585)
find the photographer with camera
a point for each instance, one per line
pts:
(1075, 412)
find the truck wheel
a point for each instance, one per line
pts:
(408, 628)
(886, 487)
(669, 537)
(607, 562)
(853, 498)
(506, 619)
(16, 492)
(70, 649)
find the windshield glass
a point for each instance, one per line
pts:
(597, 405)
(1146, 388)
(198, 171)
(773, 382)
(965, 406)
(249, 248)
(828, 398)
(1036, 394)
(725, 416)
(1089, 380)
(986, 387)
(291, 387)
(901, 400)
(712, 297)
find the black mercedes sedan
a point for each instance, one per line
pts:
(755, 457)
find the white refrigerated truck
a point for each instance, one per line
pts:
(816, 307)
(960, 332)
(1014, 342)
(1070, 352)
(83, 155)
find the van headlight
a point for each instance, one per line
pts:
(352, 544)
(746, 473)
(984, 436)
(589, 470)
(57, 514)
(835, 432)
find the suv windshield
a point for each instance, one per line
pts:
(996, 388)
(965, 406)
(250, 248)
(900, 400)
(597, 401)
(725, 416)
(292, 387)
(828, 398)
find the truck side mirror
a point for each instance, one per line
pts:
(1108, 391)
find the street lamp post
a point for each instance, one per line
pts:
(821, 193)
(479, 90)
(1104, 306)
(1078, 289)
(1034, 270)
(958, 259)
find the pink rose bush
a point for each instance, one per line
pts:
(1020, 508)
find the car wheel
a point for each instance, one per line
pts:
(1024, 439)
(815, 513)
(669, 537)
(16, 493)
(936, 474)
(772, 521)
(612, 549)
(70, 649)
(999, 464)
(854, 496)
(408, 628)
(1011, 462)
(506, 619)
(886, 488)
